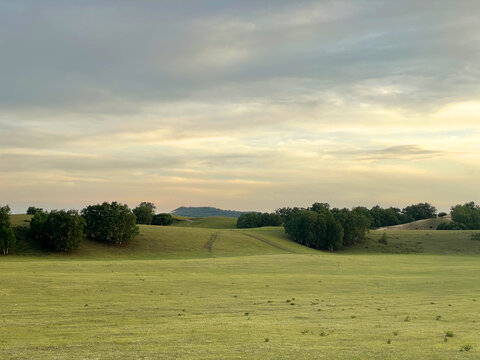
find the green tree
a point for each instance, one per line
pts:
(144, 213)
(112, 223)
(419, 212)
(7, 237)
(58, 230)
(468, 214)
(32, 210)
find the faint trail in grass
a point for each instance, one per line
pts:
(210, 242)
(268, 242)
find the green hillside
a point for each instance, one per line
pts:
(217, 237)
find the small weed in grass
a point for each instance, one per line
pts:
(389, 341)
(304, 332)
(246, 314)
(438, 317)
(407, 318)
(353, 316)
(267, 339)
(449, 334)
(466, 347)
(323, 333)
(395, 333)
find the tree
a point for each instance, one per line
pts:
(354, 224)
(32, 210)
(419, 212)
(162, 219)
(314, 229)
(112, 223)
(468, 214)
(7, 237)
(254, 219)
(144, 213)
(58, 230)
(451, 225)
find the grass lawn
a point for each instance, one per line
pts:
(203, 293)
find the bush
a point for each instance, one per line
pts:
(451, 225)
(162, 219)
(442, 214)
(7, 237)
(58, 230)
(112, 223)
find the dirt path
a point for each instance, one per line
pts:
(209, 243)
(268, 242)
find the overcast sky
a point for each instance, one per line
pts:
(248, 105)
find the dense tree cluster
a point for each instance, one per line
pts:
(377, 216)
(7, 237)
(254, 219)
(321, 228)
(467, 215)
(112, 223)
(162, 219)
(32, 210)
(58, 230)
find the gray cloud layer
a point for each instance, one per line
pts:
(238, 96)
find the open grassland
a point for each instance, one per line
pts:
(213, 293)
(291, 306)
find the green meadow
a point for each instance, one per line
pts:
(213, 292)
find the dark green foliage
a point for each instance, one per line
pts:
(419, 212)
(314, 229)
(451, 225)
(162, 219)
(322, 228)
(386, 217)
(253, 219)
(286, 212)
(354, 224)
(7, 237)
(468, 214)
(58, 230)
(111, 223)
(32, 210)
(144, 213)
(442, 214)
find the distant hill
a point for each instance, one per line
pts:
(205, 211)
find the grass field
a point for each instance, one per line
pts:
(200, 293)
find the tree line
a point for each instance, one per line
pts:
(63, 230)
(464, 217)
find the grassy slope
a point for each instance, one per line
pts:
(222, 305)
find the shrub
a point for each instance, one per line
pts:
(452, 225)
(442, 214)
(449, 334)
(112, 223)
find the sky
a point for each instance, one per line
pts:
(246, 105)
